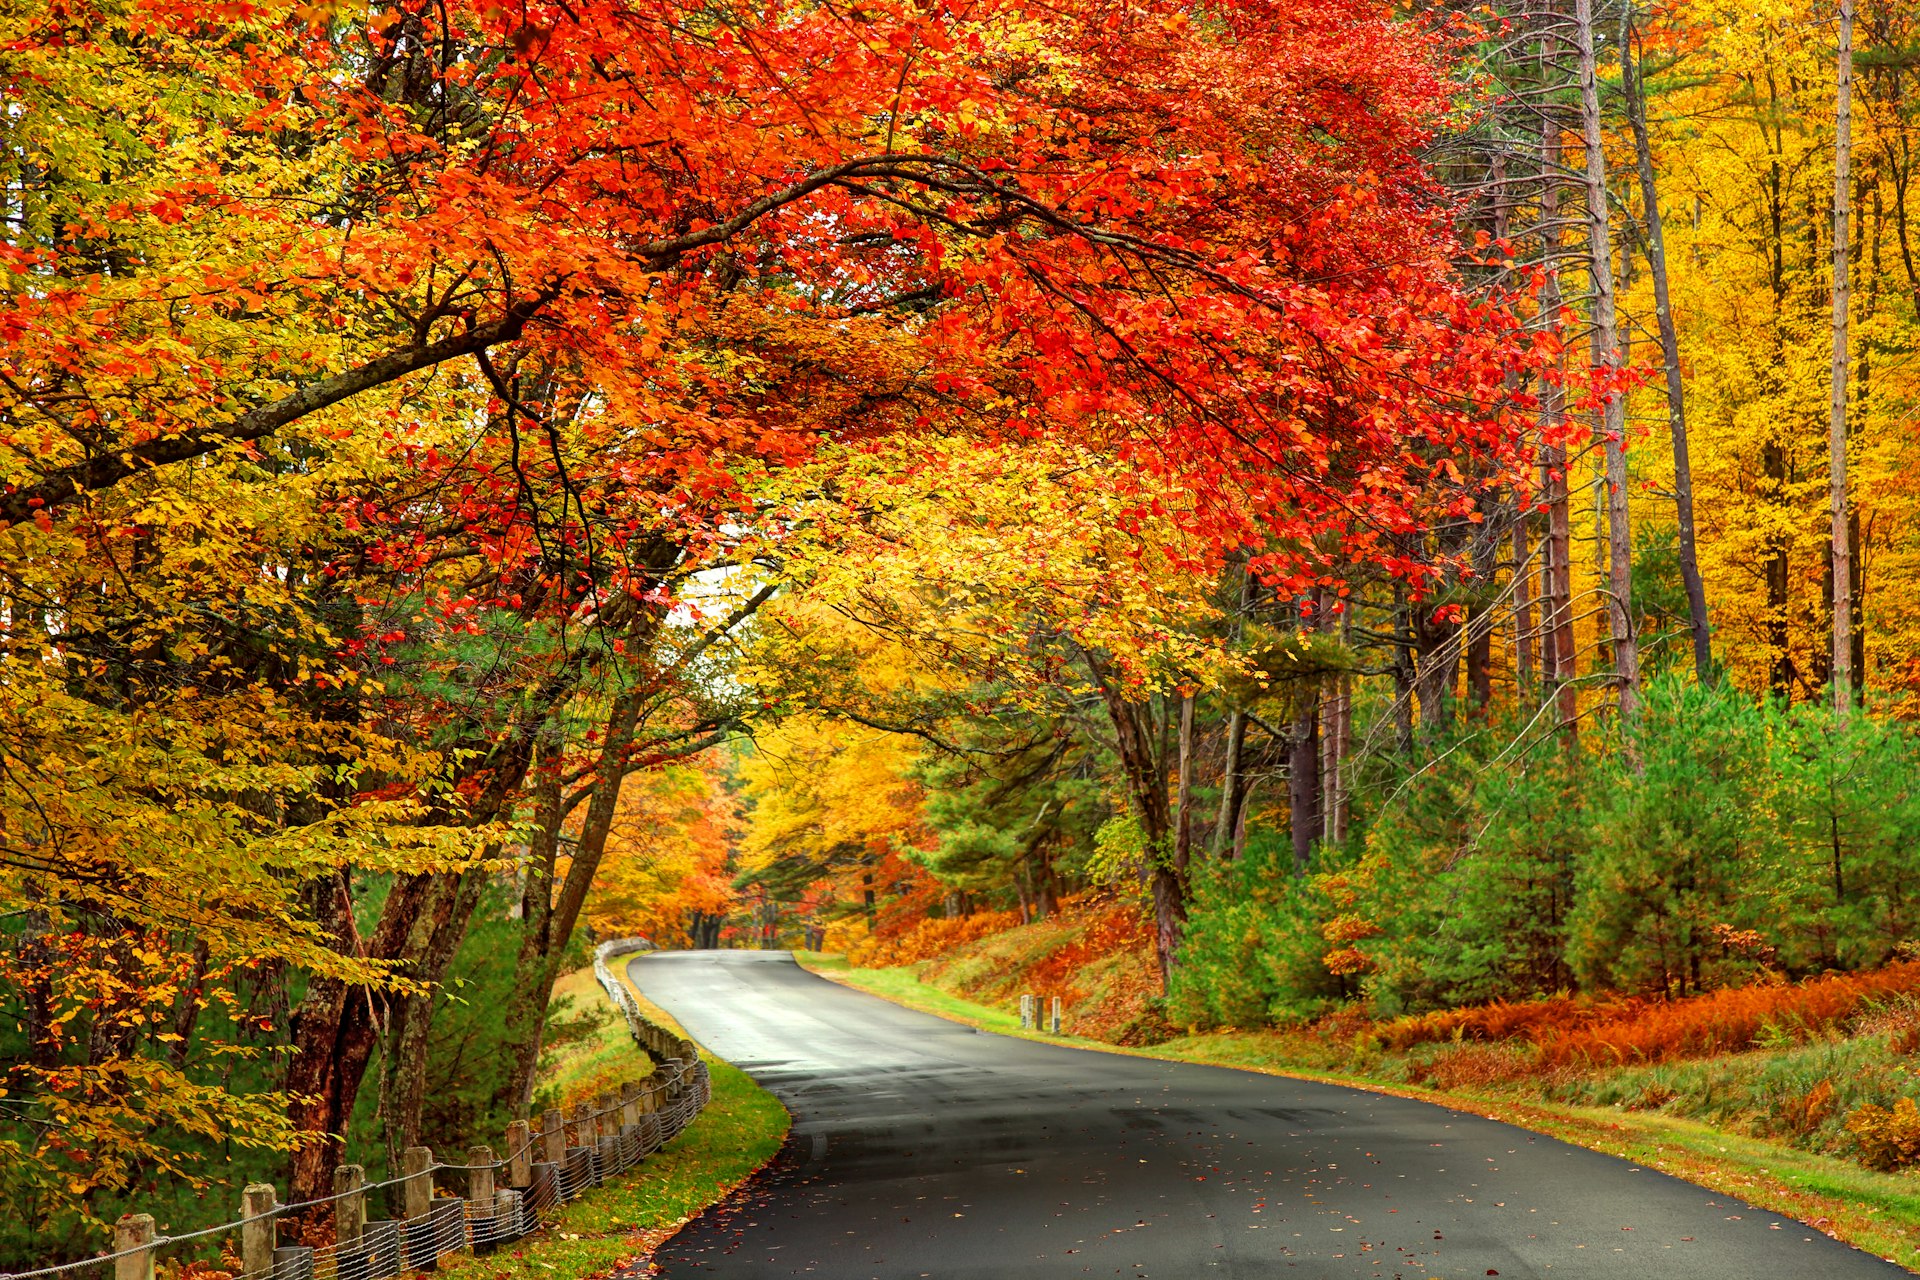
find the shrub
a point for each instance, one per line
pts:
(1253, 947)
(1887, 1137)
(1727, 1021)
(1685, 837)
(927, 938)
(1804, 1114)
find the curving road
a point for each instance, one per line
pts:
(924, 1148)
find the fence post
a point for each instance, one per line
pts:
(350, 1210)
(629, 1104)
(483, 1224)
(417, 1164)
(480, 1174)
(604, 1124)
(260, 1232)
(130, 1233)
(519, 1155)
(1026, 1013)
(1055, 1027)
(553, 1136)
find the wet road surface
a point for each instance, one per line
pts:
(923, 1148)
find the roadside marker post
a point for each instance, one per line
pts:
(130, 1234)
(1026, 1013)
(1053, 1022)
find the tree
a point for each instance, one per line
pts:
(1837, 421)
(667, 874)
(459, 337)
(1633, 87)
(1608, 389)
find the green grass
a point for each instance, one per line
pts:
(605, 1060)
(612, 1225)
(628, 1217)
(1877, 1212)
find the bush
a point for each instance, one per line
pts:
(1686, 837)
(927, 938)
(1253, 946)
(1887, 1137)
(1729, 1021)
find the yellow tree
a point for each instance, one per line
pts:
(667, 872)
(1744, 143)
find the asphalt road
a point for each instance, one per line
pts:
(924, 1148)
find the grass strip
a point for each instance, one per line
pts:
(616, 1227)
(1877, 1212)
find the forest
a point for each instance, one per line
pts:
(1402, 505)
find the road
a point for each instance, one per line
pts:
(923, 1148)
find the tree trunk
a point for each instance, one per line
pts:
(1523, 637)
(335, 1030)
(1403, 672)
(525, 1016)
(1837, 420)
(1333, 783)
(1303, 786)
(1780, 669)
(1670, 358)
(335, 1027)
(1230, 785)
(434, 940)
(1606, 373)
(1183, 832)
(1556, 607)
(1436, 668)
(1145, 777)
(1240, 823)
(1480, 620)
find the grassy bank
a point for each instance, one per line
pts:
(618, 1225)
(1878, 1212)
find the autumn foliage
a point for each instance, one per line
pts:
(1606, 1031)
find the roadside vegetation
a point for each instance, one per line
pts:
(616, 1226)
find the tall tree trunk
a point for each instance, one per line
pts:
(1626, 655)
(1403, 672)
(1480, 620)
(1146, 782)
(525, 1015)
(1523, 638)
(1837, 420)
(1669, 355)
(336, 1025)
(1436, 668)
(1231, 785)
(1557, 579)
(1303, 785)
(1332, 759)
(1340, 721)
(434, 940)
(1780, 669)
(1183, 831)
(335, 1030)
